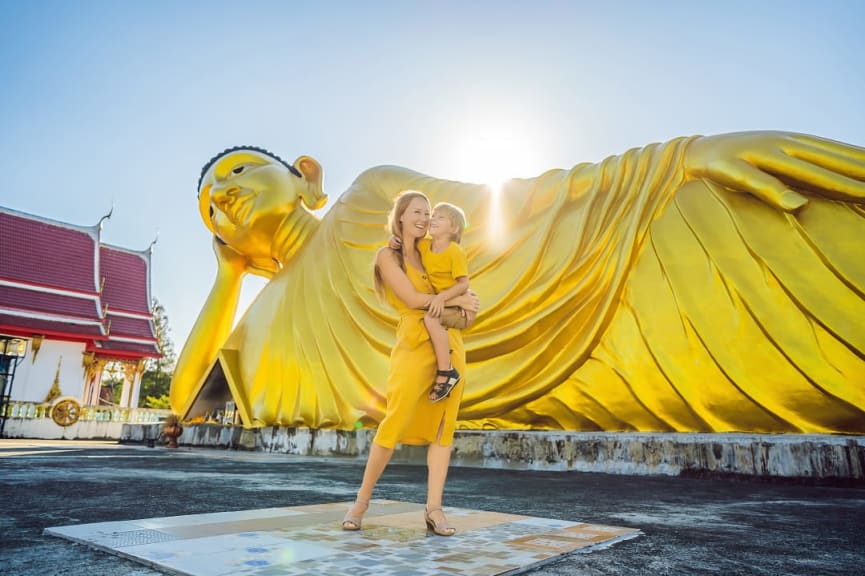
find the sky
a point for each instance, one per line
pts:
(120, 103)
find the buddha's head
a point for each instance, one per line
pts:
(246, 193)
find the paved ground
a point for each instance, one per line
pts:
(690, 526)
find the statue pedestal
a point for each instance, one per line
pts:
(813, 458)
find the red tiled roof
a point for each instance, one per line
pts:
(47, 253)
(26, 298)
(127, 292)
(22, 326)
(126, 279)
(131, 327)
(129, 348)
(50, 274)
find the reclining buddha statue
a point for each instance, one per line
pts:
(711, 284)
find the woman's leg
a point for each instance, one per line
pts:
(376, 462)
(438, 460)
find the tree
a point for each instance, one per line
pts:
(156, 379)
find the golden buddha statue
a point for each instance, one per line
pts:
(705, 284)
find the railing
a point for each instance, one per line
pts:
(33, 410)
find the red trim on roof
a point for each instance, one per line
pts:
(11, 326)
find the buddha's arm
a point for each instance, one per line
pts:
(212, 327)
(770, 164)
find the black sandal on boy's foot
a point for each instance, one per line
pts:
(442, 390)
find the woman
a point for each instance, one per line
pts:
(410, 417)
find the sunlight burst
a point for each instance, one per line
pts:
(493, 156)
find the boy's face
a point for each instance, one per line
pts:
(440, 225)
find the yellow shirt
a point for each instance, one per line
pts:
(443, 268)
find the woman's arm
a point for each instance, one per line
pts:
(392, 275)
(387, 262)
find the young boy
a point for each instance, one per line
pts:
(447, 268)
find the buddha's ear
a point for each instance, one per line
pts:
(313, 196)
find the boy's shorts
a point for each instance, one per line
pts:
(452, 317)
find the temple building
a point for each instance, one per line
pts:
(75, 320)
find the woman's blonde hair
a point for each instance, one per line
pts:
(400, 205)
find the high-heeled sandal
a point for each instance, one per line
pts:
(443, 529)
(442, 390)
(352, 523)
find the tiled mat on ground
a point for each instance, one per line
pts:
(305, 540)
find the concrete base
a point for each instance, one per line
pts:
(813, 458)
(47, 429)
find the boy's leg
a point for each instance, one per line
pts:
(438, 336)
(446, 376)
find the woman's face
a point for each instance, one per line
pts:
(249, 196)
(415, 219)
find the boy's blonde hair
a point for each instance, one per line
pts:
(457, 219)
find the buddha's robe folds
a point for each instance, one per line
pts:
(615, 296)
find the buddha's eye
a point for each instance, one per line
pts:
(239, 169)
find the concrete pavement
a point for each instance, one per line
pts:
(690, 526)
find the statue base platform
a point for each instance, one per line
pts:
(309, 540)
(807, 458)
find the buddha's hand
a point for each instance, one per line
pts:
(770, 164)
(230, 262)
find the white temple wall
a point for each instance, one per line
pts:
(33, 380)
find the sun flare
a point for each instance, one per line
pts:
(492, 156)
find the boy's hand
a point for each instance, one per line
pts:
(394, 243)
(436, 306)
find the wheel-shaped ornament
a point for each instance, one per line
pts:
(66, 412)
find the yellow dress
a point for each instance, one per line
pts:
(410, 417)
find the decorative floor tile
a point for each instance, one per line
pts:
(308, 540)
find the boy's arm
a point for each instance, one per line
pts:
(458, 289)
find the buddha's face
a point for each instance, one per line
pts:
(244, 197)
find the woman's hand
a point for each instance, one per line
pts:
(436, 306)
(469, 303)
(767, 164)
